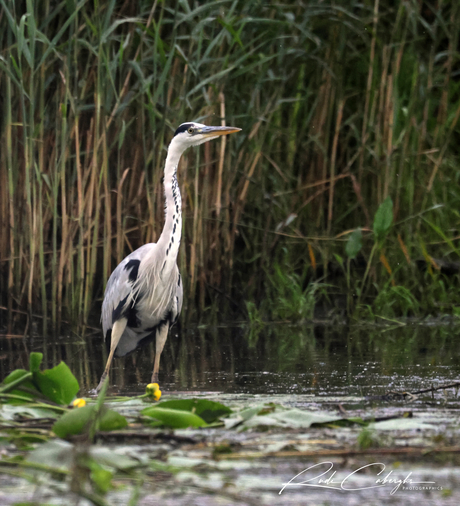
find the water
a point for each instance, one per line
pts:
(315, 367)
(316, 360)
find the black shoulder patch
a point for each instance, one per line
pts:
(126, 311)
(119, 311)
(134, 266)
(183, 128)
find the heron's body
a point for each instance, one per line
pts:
(143, 296)
(129, 293)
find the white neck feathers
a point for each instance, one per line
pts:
(170, 237)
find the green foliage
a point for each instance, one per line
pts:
(174, 418)
(80, 420)
(10, 411)
(209, 411)
(35, 361)
(256, 323)
(354, 243)
(286, 298)
(183, 413)
(101, 478)
(368, 438)
(19, 377)
(279, 417)
(58, 384)
(383, 219)
(396, 301)
(338, 111)
(90, 469)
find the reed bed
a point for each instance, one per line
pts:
(341, 105)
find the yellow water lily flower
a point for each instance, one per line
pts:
(79, 403)
(153, 390)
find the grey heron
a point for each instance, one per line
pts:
(143, 296)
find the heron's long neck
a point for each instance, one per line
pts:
(169, 240)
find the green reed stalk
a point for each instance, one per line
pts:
(12, 280)
(41, 169)
(64, 220)
(93, 201)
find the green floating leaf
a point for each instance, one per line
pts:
(24, 439)
(58, 384)
(111, 420)
(209, 411)
(354, 243)
(74, 422)
(295, 418)
(277, 416)
(56, 453)
(79, 420)
(115, 459)
(383, 219)
(248, 413)
(10, 411)
(60, 454)
(15, 377)
(402, 424)
(174, 418)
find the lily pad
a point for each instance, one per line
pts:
(280, 417)
(209, 411)
(16, 375)
(174, 418)
(11, 412)
(58, 384)
(79, 420)
(114, 459)
(402, 424)
(55, 453)
(60, 454)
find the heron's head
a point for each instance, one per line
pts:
(193, 134)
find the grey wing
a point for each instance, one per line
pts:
(120, 286)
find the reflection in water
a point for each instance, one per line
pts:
(316, 360)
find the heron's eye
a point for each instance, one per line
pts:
(190, 130)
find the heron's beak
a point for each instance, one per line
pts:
(216, 131)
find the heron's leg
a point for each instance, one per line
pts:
(117, 331)
(162, 335)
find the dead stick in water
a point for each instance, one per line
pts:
(339, 453)
(456, 384)
(433, 389)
